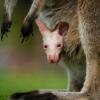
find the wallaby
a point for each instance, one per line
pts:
(63, 44)
(89, 30)
(54, 11)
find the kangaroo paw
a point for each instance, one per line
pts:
(26, 29)
(5, 27)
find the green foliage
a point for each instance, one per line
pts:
(20, 82)
(17, 82)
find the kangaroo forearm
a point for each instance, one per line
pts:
(9, 6)
(35, 7)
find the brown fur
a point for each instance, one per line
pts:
(74, 61)
(89, 27)
(89, 30)
(73, 57)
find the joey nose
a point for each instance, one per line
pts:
(53, 59)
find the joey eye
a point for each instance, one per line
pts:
(58, 45)
(45, 46)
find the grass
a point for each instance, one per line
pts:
(18, 82)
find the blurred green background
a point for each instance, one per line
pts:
(24, 67)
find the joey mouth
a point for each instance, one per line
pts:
(55, 60)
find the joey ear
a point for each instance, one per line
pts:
(42, 27)
(62, 28)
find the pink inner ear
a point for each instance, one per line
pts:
(41, 26)
(63, 28)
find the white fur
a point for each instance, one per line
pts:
(51, 39)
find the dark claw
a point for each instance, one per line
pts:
(35, 95)
(5, 28)
(6, 24)
(25, 39)
(26, 30)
